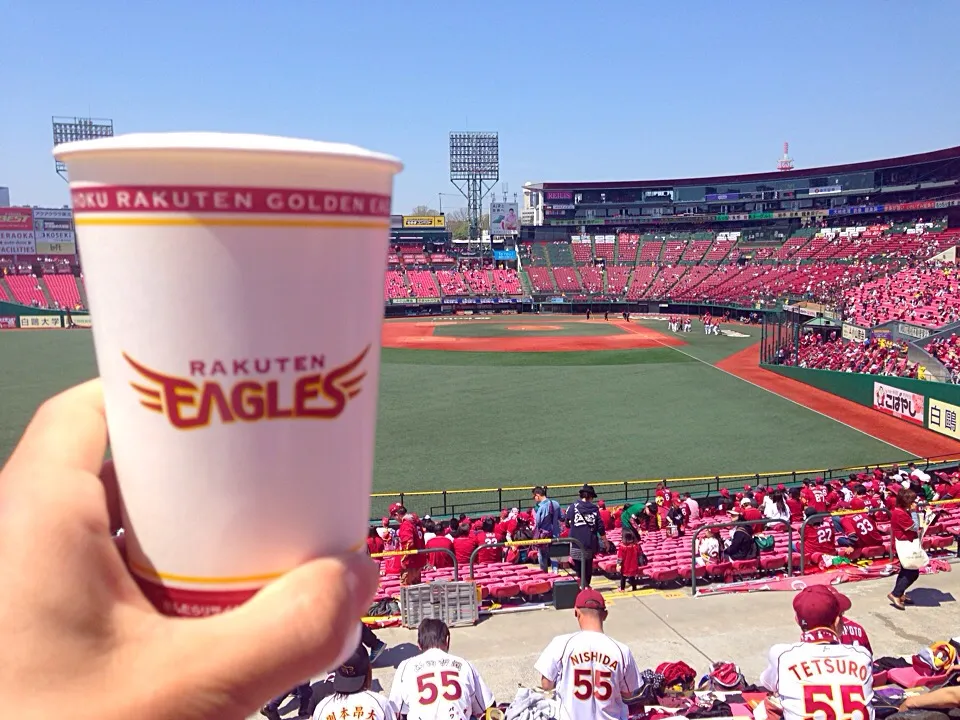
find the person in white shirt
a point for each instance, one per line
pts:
(594, 676)
(917, 474)
(819, 676)
(352, 697)
(693, 507)
(436, 685)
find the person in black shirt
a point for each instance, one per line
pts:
(583, 518)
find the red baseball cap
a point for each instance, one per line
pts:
(819, 606)
(590, 599)
(781, 486)
(395, 508)
(725, 492)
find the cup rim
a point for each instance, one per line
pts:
(221, 142)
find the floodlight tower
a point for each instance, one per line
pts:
(786, 162)
(474, 170)
(67, 129)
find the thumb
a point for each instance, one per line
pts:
(304, 623)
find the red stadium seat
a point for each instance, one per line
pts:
(504, 591)
(535, 587)
(874, 551)
(773, 562)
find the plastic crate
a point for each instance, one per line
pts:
(453, 602)
(458, 603)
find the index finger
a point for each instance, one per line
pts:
(68, 431)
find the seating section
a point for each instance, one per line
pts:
(665, 280)
(650, 252)
(872, 358)
(642, 277)
(566, 279)
(673, 250)
(542, 279)
(507, 282)
(947, 351)
(605, 250)
(628, 244)
(26, 290)
(63, 290)
(452, 283)
(479, 281)
(927, 294)
(617, 278)
(423, 284)
(696, 250)
(582, 252)
(394, 286)
(592, 279)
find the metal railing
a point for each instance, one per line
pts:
(739, 523)
(539, 541)
(475, 501)
(422, 551)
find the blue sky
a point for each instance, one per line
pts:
(577, 90)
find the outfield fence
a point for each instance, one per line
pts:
(485, 501)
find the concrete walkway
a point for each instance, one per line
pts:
(740, 628)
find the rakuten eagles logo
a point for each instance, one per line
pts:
(229, 391)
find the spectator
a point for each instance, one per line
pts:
(795, 671)
(776, 507)
(795, 505)
(583, 517)
(547, 518)
(628, 559)
(437, 684)
(860, 528)
(352, 695)
(905, 524)
(742, 545)
(710, 548)
(693, 508)
(594, 675)
(487, 541)
(464, 544)
(440, 542)
(410, 535)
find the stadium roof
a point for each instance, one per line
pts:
(934, 156)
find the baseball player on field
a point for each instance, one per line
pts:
(436, 685)
(818, 676)
(594, 675)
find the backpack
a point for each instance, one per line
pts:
(764, 542)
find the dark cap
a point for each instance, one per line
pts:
(588, 491)
(352, 675)
(590, 599)
(819, 606)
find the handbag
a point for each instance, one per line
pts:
(911, 554)
(764, 542)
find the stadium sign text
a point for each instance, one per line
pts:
(313, 394)
(229, 200)
(899, 403)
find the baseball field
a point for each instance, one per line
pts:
(522, 400)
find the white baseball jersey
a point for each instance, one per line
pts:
(816, 681)
(592, 673)
(439, 686)
(364, 705)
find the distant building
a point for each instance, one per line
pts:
(532, 211)
(4, 197)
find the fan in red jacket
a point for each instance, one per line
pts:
(410, 536)
(486, 538)
(860, 528)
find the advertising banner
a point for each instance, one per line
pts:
(424, 221)
(53, 214)
(899, 403)
(854, 333)
(915, 205)
(17, 242)
(714, 197)
(81, 321)
(914, 331)
(8, 322)
(504, 254)
(658, 195)
(550, 195)
(16, 219)
(56, 248)
(504, 218)
(943, 418)
(826, 190)
(40, 322)
(557, 206)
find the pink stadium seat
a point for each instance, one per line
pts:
(874, 551)
(662, 574)
(773, 562)
(504, 591)
(685, 571)
(535, 587)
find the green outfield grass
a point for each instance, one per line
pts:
(463, 419)
(501, 329)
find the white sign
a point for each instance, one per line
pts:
(56, 236)
(854, 333)
(504, 218)
(53, 214)
(658, 195)
(899, 403)
(828, 190)
(17, 242)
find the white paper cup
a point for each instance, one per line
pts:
(236, 289)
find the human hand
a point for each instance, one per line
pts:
(78, 633)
